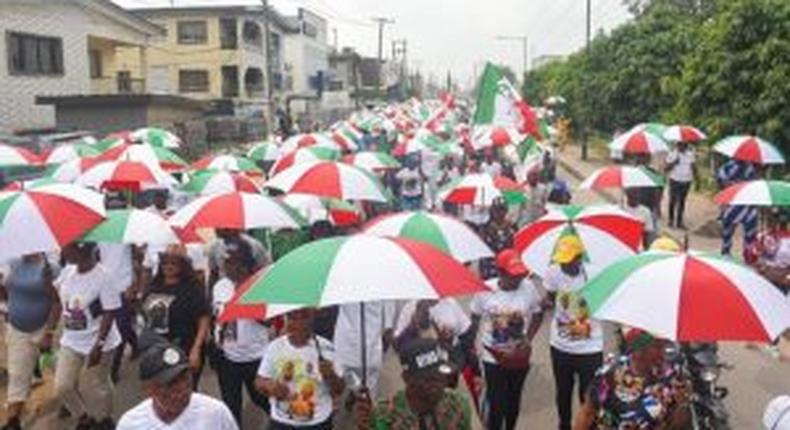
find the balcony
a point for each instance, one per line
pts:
(117, 85)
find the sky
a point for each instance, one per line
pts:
(450, 35)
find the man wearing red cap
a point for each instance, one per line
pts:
(508, 319)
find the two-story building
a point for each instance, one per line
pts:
(66, 47)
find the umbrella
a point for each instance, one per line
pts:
(480, 189)
(310, 139)
(114, 139)
(242, 211)
(156, 137)
(690, 297)
(71, 151)
(45, 218)
(621, 177)
(314, 208)
(346, 142)
(445, 233)
(755, 193)
(638, 142)
(330, 179)
(304, 155)
(683, 133)
(25, 185)
(125, 174)
(149, 154)
(423, 140)
(608, 234)
(208, 182)
(749, 148)
(71, 170)
(231, 163)
(17, 156)
(651, 127)
(264, 151)
(488, 136)
(132, 226)
(372, 160)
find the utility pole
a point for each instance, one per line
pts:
(381, 21)
(399, 54)
(524, 51)
(269, 68)
(587, 99)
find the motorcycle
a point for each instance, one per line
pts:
(704, 368)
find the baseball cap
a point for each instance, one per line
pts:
(777, 414)
(568, 249)
(636, 339)
(422, 357)
(162, 362)
(509, 261)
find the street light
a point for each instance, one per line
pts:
(523, 40)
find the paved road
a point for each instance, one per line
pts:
(755, 380)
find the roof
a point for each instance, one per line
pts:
(123, 100)
(277, 18)
(114, 12)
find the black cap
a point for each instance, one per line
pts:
(162, 362)
(425, 356)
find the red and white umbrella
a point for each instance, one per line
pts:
(70, 151)
(330, 179)
(125, 174)
(241, 211)
(314, 208)
(749, 148)
(304, 155)
(209, 182)
(45, 218)
(17, 156)
(310, 139)
(683, 133)
(230, 163)
(638, 142)
(620, 177)
(755, 193)
(491, 136)
(71, 170)
(372, 161)
(689, 297)
(149, 154)
(344, 141)
(481, 190)
(607, 233)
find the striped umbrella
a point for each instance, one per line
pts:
(264, 151)
(25, 185)
(231, 163)
(157, 137)
(133, 174)
(683, 133)
(651, 127)
(71, 151)
(241, 211)
(445, 233)
(132, 226)
(330, 179)
(490, 136)
(114, 139)
(423, 140)
(372, 160)
(480, 189)
(751, 149)
(689, 297)
(304, 155)
(310, 139)
(314, 208)
(17, 156)
(638, 142)
(144, 153)
(209, 182)
(608, 234)
(345, 141)
(755, 193)
(45, 218)
(71, 170)
(621, 177)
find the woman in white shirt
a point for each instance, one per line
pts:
(682, 170)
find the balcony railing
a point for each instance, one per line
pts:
(117, 85)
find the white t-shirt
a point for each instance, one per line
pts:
(493, 169)
(202, 412)
(84, 296)
(682, 171)
(242, 340)
(476, 214)
(446, 315)
(117, 259)
(379, 316)
(642, 213)
(410, 182)
(572, 328)
(505, 315)
(310, 400)
(216, 253)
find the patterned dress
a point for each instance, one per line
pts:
(452, 413)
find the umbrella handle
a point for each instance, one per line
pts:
(318, 347)
(364, 344)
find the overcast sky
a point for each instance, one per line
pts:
(456, 35)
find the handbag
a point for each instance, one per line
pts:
(514, 356)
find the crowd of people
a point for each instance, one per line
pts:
(458, 365)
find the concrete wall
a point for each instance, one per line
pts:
(101, 119)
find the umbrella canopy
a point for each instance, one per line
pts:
(651, 127)
(157, 137)
(125, 173)
(489, 136)
(17, 156)
(24, 185)
(372, 160)
(314, 208)
(144, 153)
(480, 189)
(690, 297)
(132, 226)
(208, 182)
(638, 142)
(241, 211)
(621, 177)
(45, 218)
(310, 139)
(423, 140)
(683, 133)
(360, 268)
(71, 151)
(749, 148)
(755, 193)
(231, 163)
(71, 170)
(304, 155)
(445, 233)
(608, 234)
(330, 179)
(264, 151)
(345, 141)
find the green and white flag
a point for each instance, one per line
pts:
(498, 103)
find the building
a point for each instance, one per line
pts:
(343, 83)
(66, 47)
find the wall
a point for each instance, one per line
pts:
(102, 119)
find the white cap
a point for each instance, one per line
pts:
(777, 414)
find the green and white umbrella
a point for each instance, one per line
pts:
(372, 160)
(208, 182)
(156, 137)
(445, 233)
(303, 155)
(149, 154)
(755, 193)
(132, 226)
(264, 151)
(71, 151)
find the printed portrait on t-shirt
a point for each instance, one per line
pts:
(507, 326)
(302, 380)
(156, 310)
(74, 314)
(573, 316)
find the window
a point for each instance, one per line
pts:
(335, 86)
(227, 33)
(193, 81)
(95, 63)
(29, 54)
(192, 32)
(252, 34)
(230, 81)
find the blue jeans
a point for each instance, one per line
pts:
(411, 203)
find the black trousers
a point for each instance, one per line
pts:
(326, 425)
(566, 368)
(503, 395)
(678, 191)
(233, 377)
